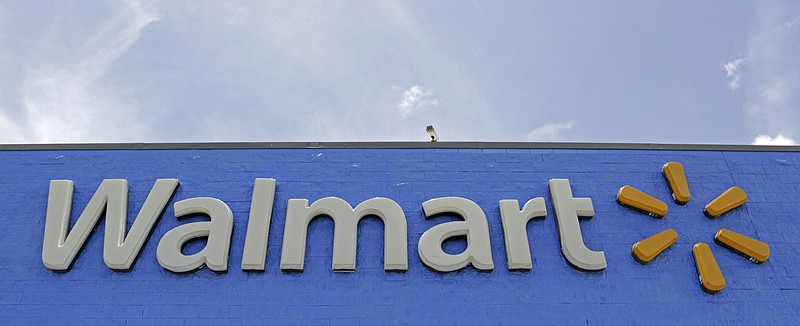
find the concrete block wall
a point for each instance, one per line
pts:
(666, 291)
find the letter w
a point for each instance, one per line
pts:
(119, 252)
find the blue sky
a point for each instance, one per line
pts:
(622, 71)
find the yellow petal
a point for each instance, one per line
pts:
(711, 278)
(646, 250)
(754, 250)
(632, 197)
(676, 179)
(730, 199)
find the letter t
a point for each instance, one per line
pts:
(567, 210)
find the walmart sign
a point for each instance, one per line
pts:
(61, 245)
(122, 246)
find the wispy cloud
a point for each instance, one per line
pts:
(61, 96)
(777, 140)
(772, 79)
(733, 72)
(550, 132)
(414, 99)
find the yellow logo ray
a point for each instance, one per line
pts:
(752, 249)
(646, 250)
(730, 199)
(636, 199)
(711, 278)
(676, 180)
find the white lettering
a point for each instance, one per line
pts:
(518, 252)
(119, 252)
(218, 231)
(567, 210)
(255, 243)
(345, 218)
(474, 227)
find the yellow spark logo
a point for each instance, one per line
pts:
(710, 275)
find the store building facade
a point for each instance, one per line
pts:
(389, 233)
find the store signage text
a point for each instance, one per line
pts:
(121, 248)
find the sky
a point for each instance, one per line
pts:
(709, 72)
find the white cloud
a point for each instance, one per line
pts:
(415, 98)
(733, 72)
(772, 104)
(550, 132)
(772, 74)
(61, 95)
(780, 140)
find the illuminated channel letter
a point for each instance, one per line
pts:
(119, 250)
(474, 226)
(255, 243)
(567, 210)
(217, 231)
(518, 252)
(345, 219)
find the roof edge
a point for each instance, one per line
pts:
(391, 145)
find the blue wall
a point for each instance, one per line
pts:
(664, 291)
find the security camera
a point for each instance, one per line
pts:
(432, 133)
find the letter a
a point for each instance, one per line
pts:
(218, 231)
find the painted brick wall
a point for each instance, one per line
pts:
(666, 291)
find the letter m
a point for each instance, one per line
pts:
(61, 245)
(345, 219)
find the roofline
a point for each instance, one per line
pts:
(390, 145)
